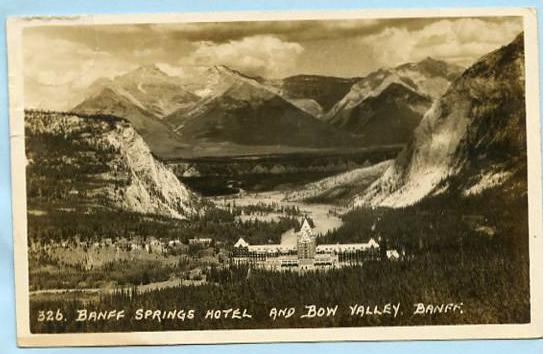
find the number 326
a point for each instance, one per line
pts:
(50, 316)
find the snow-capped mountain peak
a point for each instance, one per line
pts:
(149, 88)
(149, 71)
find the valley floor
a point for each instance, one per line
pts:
(475, 253)
(84, 262)
(325, 216)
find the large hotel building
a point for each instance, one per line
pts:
(305, 254)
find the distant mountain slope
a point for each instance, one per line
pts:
(317, 93)
(149, 88)
(307, 105)
(97, 162)
(431, 77)
(388, 118)
(386, 105)
(472, 139)
(197, 114)
(157, 134)
(215, 82)
(243, 111)
(212, 81)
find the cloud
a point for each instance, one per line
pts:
(56, 70)
(257, 55)
(54, 61)
(171, 70)
(461, 41)
(294, 30)
(61, 61)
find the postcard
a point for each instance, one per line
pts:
(276, 177)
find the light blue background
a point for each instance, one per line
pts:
(71, 7)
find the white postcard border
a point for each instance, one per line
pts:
(533, 329)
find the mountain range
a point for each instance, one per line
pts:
(241, 110)
(218, 110)
(472, 139)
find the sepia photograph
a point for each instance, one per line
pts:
(189, 178)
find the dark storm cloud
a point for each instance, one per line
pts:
(127, 36)
(293, 31)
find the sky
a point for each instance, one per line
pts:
(60, 62)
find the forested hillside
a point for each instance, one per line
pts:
(89, 163)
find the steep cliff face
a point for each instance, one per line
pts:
(472, 138)
(153, 187)
(98, 162)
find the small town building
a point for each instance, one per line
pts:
(175, 244)
(200, 241)
(392, 254)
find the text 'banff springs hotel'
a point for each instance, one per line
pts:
(305, 254)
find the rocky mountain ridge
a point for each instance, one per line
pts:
(385, 106)
(219, 105)
(100, 162)
(472, 139)
(149, 88)
(242, 110)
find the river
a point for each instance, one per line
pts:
(326, 217)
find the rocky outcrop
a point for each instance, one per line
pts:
(472, 138)
(104, 163)
(153, 188)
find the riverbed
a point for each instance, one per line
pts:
(326, 217)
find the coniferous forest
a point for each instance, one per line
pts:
(451, 259)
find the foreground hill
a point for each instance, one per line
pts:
(387, 105)
(95, 163)
(472, 139)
